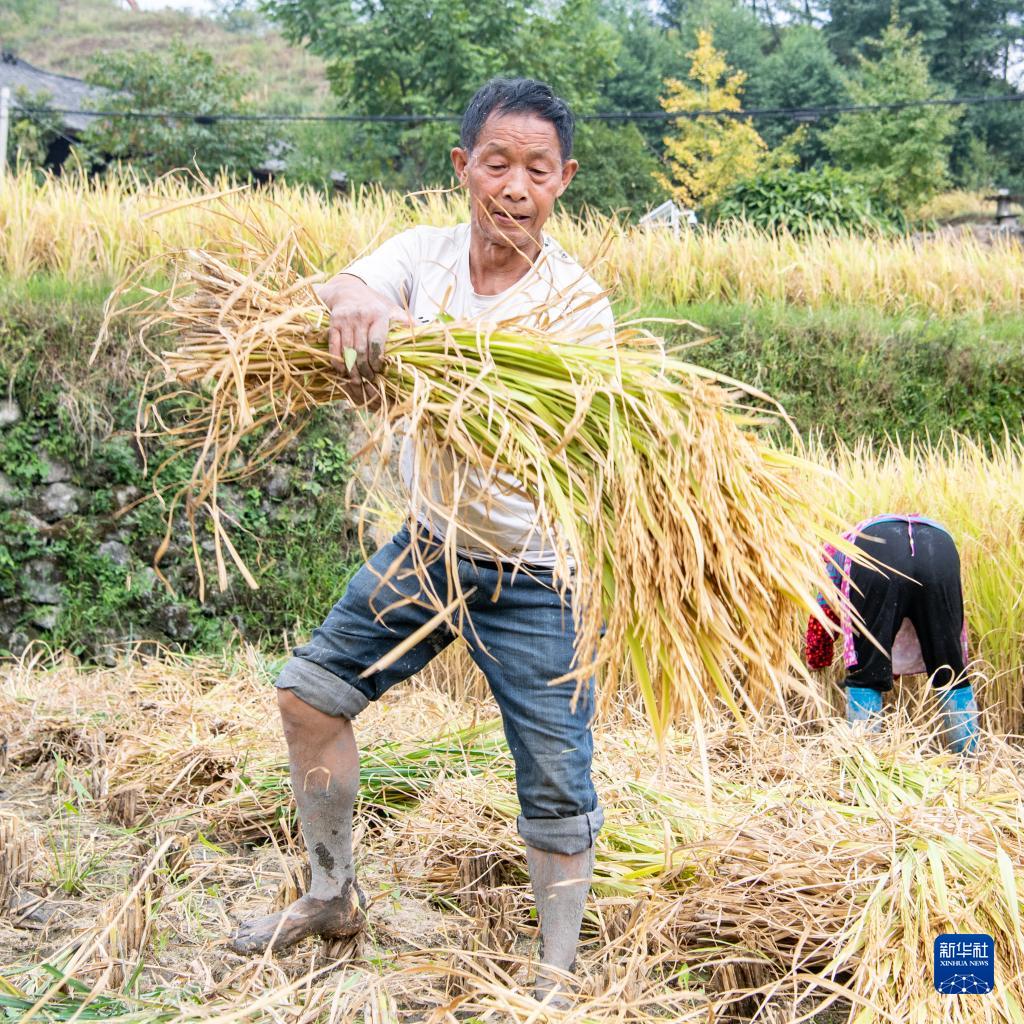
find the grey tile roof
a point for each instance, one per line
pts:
(64, 92)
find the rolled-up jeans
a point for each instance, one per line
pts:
(519, 632)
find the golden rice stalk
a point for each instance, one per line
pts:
(15, 859)
(687, 540)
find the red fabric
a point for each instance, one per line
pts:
(820, 643)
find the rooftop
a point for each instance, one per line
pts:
(63, 92)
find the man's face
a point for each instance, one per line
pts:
(514, 174)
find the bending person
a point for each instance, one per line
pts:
(915, 613)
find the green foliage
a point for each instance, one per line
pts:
(805, 201)
(904, 154)
(65, 37)
(851, 22)
(241, 16)
(856, 373)
(617, 171)
(967, 42)
(415, 57)
(988, 149)
(800, 72)
(738, 31)
(32, 132)
(317, 149)
(301, 548)
(647, 55)
(181, 79)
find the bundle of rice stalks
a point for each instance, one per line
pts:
(687, 541)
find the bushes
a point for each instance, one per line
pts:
(857, 373)
(802, 201)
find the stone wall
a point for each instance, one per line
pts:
(78, 535)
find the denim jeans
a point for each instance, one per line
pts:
(521, 639)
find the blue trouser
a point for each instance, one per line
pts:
(520, 634)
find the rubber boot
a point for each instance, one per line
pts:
(864, 704)
(560, 885)
(960, 719)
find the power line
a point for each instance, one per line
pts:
(801, 114)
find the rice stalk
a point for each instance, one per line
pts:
(689, 543)
(15, 859)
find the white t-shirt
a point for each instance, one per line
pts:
(426, 270)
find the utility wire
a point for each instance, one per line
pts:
(801, 114)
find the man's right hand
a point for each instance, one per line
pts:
(360, 318)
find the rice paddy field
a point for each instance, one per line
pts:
(100, 230)
(149, 802)
(785, 868)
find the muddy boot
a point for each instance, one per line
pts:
(324, 765)
(560, 886)
(334, 918)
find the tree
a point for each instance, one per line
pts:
(647, 55)
(181, 80)
(422, 57)
(853, 22)
(974, 48)
(32, 132)
(738, 30)
(707, 154)
(903, 154)
(967, 42)
(617, 171)
(801, 72)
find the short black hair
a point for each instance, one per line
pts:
(518, 96)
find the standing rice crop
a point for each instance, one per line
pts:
(88, 229)
(977, 492)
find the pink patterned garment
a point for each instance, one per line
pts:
(841, 576)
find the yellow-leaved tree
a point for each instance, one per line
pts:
(706, 154)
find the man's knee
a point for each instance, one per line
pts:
(318, 690)
(302, 721)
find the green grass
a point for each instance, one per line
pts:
(855, 372)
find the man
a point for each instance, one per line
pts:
(914, 613)
(515, 160)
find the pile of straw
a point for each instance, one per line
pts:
(826, 867)
(693, 543)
